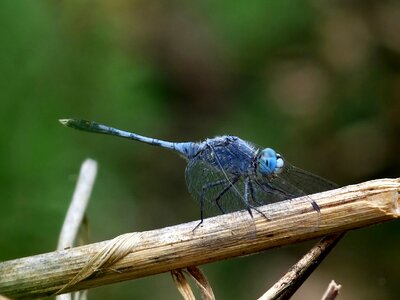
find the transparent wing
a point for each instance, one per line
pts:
(220, 191)
(300, 182)
(292, 182)
(217, 190)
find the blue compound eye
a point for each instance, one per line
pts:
(270, 162)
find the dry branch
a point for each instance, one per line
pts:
(332, 291)
(142, 254)
(76, 213)
(77, 208)
(299, 272)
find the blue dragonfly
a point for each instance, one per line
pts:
(227, 174)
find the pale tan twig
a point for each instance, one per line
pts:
(299, 272)
(75, 214)
(202, 283)
(182, 284)
(332, 291)
(79, 202)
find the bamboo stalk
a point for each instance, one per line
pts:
(146, 253)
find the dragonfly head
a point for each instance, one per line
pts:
(269, 162)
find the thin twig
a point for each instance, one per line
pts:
(156, 251)
(202, 283)
(182, 284)
(299, 272)
(79, 202)
(76, 212)
(332, 291)
(199, 279)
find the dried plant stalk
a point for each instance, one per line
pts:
(142, 254)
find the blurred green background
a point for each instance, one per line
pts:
(317, 80)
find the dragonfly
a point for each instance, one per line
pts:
(227, 174)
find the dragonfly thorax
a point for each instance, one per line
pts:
(227, 153)
(269, 162)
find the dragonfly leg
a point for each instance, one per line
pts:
(204, 190)
(227, 141)
(249, 188)
(315, 206)
(197, 226)
(231, 183)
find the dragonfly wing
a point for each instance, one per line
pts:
(304, 181)
(292, 182)
(262, 191)
(220, 191)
